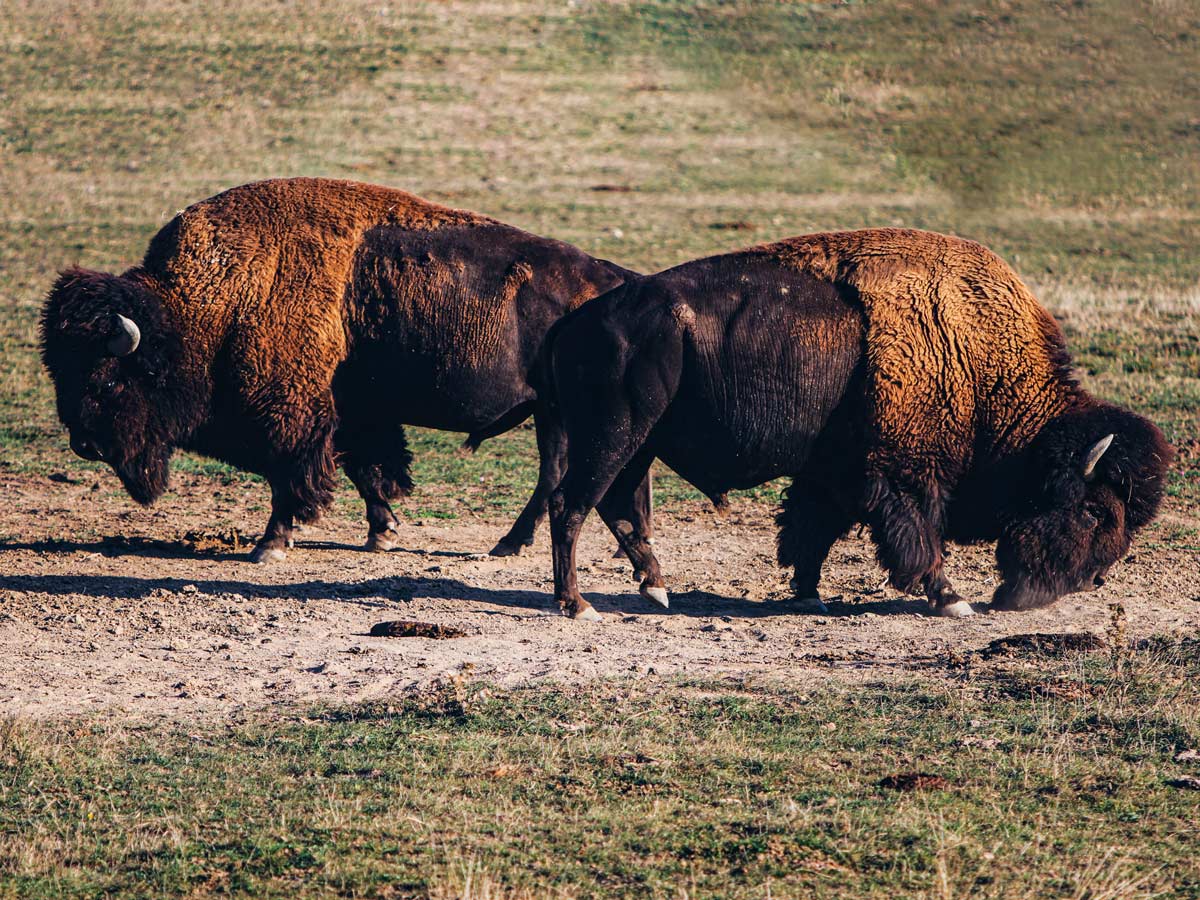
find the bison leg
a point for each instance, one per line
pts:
(299, 491)
(377, 464)
(906, 527)
(943, 599)
(278, 535)
(566, 518)
(626, 510)
(552, 460)
(810, 523)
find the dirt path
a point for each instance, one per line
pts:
(145, 624)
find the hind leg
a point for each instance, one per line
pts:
(626, 509)
(599, 458)
(552, 460)
(810, 522)
(378, 463)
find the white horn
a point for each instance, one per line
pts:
(1093, 455)
(127, 338)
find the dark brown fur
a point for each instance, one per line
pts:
(902, 379)
(292, 325)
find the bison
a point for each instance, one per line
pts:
(292, 325)
(901, 379)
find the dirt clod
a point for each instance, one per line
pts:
(415, 629)
(216, 541)
(1042, 645)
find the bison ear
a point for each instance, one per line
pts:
(125, 336)
(1093, 456)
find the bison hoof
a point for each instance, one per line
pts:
(811, 605)
(380, 541)
(581, 611)
(959, 609)
(263, 555)
(657, 595)
(504, 548)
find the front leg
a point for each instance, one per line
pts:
(906, 525)
(300, 489)
(278, 536)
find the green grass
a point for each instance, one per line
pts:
(1057, 783)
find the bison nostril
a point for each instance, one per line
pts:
(1098, 581)
(85, 449)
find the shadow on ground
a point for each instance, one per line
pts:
(402, 588)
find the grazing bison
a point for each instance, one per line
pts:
(291, 325)
(901, 379)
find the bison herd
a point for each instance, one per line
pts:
(904, 380)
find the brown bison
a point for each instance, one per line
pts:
(291, 325)
(902, 379)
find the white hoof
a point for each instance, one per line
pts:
(657, 595)
(813, 605)
(263, 555)
(959, 609)
(378, 542)
(588, 615)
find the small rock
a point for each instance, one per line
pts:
(189, 589)
(1187, 756)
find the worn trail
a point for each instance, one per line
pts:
(105, 606)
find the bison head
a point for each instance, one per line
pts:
(1094, 478)
(110, 351)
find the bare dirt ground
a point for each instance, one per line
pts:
(105, 606)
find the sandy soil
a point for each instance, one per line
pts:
(104, 606)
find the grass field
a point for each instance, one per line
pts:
(1064, 135)
(1060, 779)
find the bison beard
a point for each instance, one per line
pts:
(287, 326)
(145, 476)
(905, 380)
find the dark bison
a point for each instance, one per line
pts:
(901, 379)
(291, 325)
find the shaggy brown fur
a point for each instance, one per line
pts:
(954, 339)
(291, 324)
(903, 379)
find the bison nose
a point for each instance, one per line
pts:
(1099, 580)
(85, 449)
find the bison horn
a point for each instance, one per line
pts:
(126, 339)
(1094, 454)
